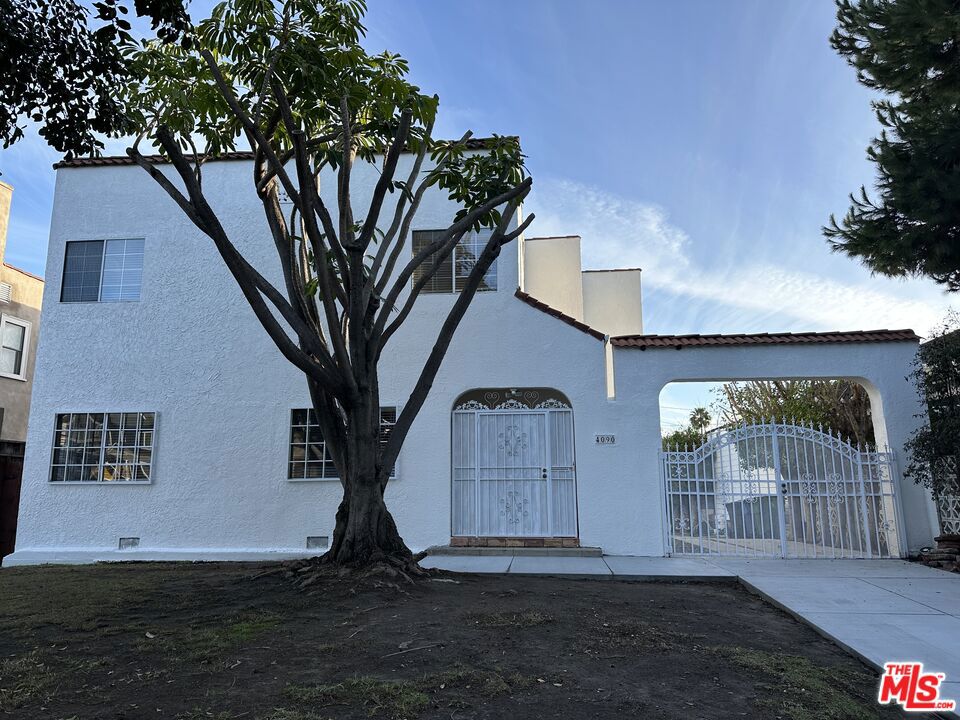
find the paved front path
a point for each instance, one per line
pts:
(881, 610)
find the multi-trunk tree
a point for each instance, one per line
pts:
(293, 82)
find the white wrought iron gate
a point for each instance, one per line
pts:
(780, 490)
(514, 471)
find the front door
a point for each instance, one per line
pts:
(514, 473)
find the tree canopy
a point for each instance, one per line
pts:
(909, 52)
(842, 406)
(65, 68)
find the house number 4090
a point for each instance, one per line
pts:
(606, 439)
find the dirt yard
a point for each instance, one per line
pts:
(190, 642)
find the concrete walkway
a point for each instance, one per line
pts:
(880, 610)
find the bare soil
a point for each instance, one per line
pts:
(190, 642)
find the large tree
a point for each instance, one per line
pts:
(291, 81)
(908, 50)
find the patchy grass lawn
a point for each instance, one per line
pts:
(211, 642)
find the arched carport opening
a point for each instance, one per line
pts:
(765, 477)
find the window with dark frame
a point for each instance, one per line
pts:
(453, 272)
(102, 271)
(309, 459)
(103, 447)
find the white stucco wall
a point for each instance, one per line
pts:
(551, 273)
(880, 367)
(612, 302)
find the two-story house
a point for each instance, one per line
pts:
(165, 424)
(20, 297)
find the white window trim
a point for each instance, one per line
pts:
(100, 483)
(25, 355)
(396, 467)
(103, 257)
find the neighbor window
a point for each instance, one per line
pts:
(102, 271)
(453, 272)
(14, 336)
(103, 447)
(309, 459)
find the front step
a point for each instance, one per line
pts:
(514, 551)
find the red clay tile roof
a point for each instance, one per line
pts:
(680, 341)
(472, 144)
(543, 307)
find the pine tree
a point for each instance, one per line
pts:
(909, 50)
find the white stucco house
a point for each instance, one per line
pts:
(164, 423)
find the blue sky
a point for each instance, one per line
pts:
(705, 142)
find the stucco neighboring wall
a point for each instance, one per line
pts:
(551, 273)
(882, 368)
(612, 302)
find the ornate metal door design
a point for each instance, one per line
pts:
(513, 469)
(780, 490)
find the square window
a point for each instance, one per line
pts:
(102, 271)
(308, 457)
(454, 271)
(87, 453)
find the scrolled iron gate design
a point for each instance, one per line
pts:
(780, 490)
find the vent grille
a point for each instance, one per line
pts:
(6, 292)
(129, 543)
(317, 542)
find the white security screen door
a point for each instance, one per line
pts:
(513, 471)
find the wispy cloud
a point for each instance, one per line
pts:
(686, 294)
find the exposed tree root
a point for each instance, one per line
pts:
(386, 571)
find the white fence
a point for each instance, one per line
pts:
(780, 490)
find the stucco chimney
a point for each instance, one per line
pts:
(6, 195)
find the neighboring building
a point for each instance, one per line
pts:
(20, 296)
(165, 424)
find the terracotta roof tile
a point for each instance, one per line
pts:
(681, 341)
(543, 307)
(106, 160)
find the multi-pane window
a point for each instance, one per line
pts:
(309, 459)
(103, 447)
(14, 334)
(102, 271)
(452, 274)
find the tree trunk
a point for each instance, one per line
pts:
(365, 532)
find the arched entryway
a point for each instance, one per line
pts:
(514, 465)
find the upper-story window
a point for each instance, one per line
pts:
(453, 272)
(102, 271)
(14, 336)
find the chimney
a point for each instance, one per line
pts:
(6, 194)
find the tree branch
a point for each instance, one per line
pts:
(429, 372)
